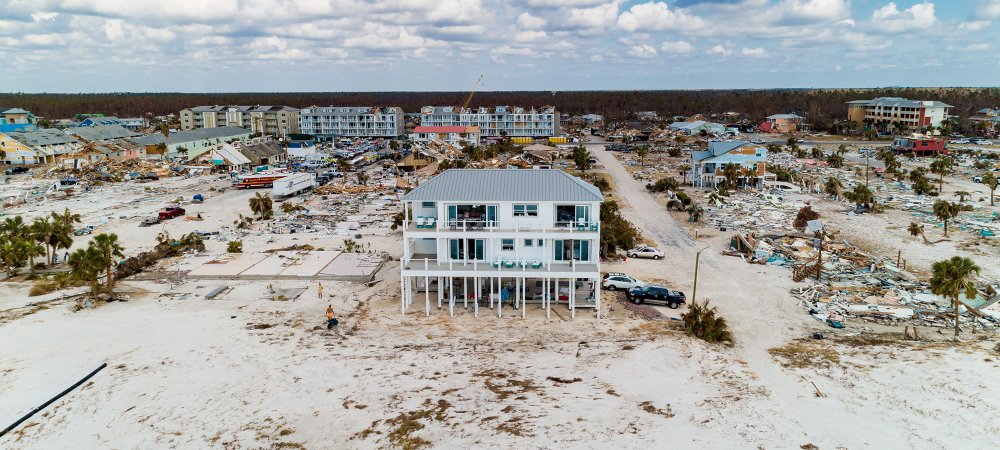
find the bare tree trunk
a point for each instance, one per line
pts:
(956, 316)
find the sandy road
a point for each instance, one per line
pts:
(754, 299)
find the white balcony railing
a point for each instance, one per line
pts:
(464, 225)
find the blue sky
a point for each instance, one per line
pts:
(369, 45)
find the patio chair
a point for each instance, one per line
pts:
(420, 221)
(509, 264)
(593, 227)
(581, 224)
(536, 264)
(430, 222)
(497, 263)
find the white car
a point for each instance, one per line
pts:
(622, 281)
(959, 141)
(981, 142)
(645, 252)
(757, 141)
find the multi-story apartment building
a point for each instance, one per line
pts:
(912, 113)
(504, 236)
(329, 122)
(496, 121)
(44, 146)
(278, 121)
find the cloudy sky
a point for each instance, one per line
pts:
(368, 45)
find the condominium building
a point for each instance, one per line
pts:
(278, 121)
(36, 147)
(492, 238)
(708, 168)
(912, 113)
(496, 121)
(329, 122)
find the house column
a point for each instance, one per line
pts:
(402, 293)
(427, 295)
(572, 298)
(465, 292)
(524, 294)
(451, 293)
(597, 295)
(440, 292)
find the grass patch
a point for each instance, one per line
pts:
(801, 354)
(406, 424)
(647, 406)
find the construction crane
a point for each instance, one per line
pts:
(469, 98)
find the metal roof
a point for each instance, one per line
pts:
(46, 136)
(515, 185)
(101, 132)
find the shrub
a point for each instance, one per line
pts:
(674, 152)
(702, 322)
(662, 185)
(805, 215)
(684, 198)
(235, 247)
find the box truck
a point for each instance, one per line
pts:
(293, 184)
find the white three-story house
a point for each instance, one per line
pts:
(502, 238)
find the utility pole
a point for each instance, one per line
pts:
(694, 289)
(867, 155)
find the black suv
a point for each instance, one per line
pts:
(16, 170)
(671, 298)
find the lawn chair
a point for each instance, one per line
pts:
(497, 263)
(581, 224)
(431, 221)
(509, 264)
(420, 221)
(536, 264)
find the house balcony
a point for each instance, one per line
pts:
(428, 265)
(485, 226)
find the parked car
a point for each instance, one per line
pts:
(757, 141)
(977, 179)
(613, 274)
(645, 252)
(981, 142)
(673, 299)
(16, 170)
(799, 141)
(958, 141)
(83, 230)
(171, 212)
(623, 281)
(149, 221)
(68, 181)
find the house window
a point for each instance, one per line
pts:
(428, 204)
(528, 242)
(525, 210)
(507, 245)
(539, 243)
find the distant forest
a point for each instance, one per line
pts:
(820, 106)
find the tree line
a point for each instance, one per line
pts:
(821, 106)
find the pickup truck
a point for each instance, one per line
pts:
(16, 170)
(171, 212)
(671, 298)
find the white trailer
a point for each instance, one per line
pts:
(293, 184)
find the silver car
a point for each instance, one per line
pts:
(645, 252)
(621, 281)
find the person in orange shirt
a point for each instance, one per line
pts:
(330, 321)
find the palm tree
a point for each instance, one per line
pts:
(67, 217)
(916, 229)
(816, 152)
(945, 211)
(109, 248)
(860, 195)
(165, 129)
(40, 231)
(961, 196)
(262, 205)
(834, 160)
(991, 182)
(349, 245)
(842, 149)
(642, 152)
(694, 212)
(86, 265)
(31, 249)
(731, 172)
(684, 169)
(940, 167)
(833, 187)
(952, 278)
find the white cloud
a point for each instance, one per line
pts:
(529, 22)
(990, 9)
(757, 52)
(592, 19)
(891, 20)
(719, 50)
(564, 3)
(676, 47)
(529, 36)
(974, 25)
(385, 37)
(642, 51)
(813, 10)
(656, 16)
